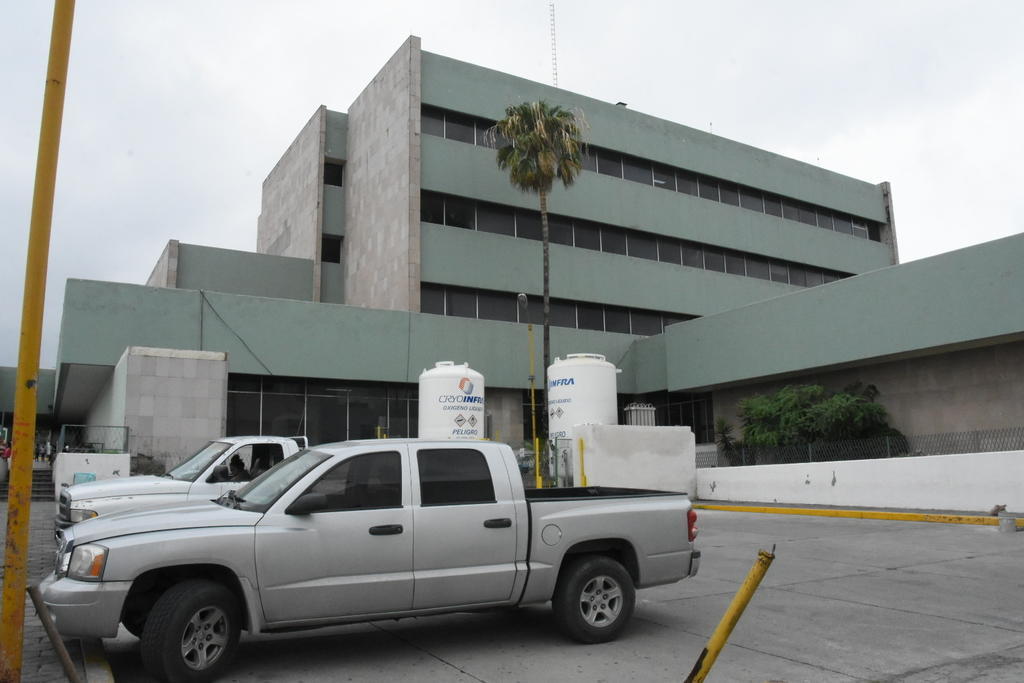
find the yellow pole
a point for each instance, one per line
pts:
(583, 472)
(732, 615)
(12, 620)
(539, 481)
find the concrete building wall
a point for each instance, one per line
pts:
(290, 214)
(108, 410)
(332, 283)
(44, 392)
(241, 272)
(959, 391)
(175, 401)
(165, 272)
(660, 458)
(971, 483)
(382, 181)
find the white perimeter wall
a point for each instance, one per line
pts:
(637, 457)
(971, 482)
(99, 465)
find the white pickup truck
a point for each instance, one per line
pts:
(359, 531)
(206, 475)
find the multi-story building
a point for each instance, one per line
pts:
(388, 239)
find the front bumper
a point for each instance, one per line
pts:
(84, 609)
(694, 563)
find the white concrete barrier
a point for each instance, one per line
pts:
(636, 457)
(76, 468)
(969, 482)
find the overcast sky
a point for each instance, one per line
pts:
(176, 111)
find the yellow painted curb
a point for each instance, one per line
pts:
(862, 514)
(97, 669)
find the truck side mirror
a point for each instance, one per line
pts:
(307, 503)
(220, 473)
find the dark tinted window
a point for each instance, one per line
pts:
(779, 271)
(432, 122)
(708, 188)
(366, 481)
(616, 319)
(797, 276)
(645, 323)
(431, 299)
(824, 219)
(751, 199)
(590, 316)
(642, 246)
(637, 170)
(790, 211)
(588, 235)
(844, 225)
(734, 263)
(459, 212)
(528, 224)
(559, 230)
(668, 250)
(459, 127)
(563, 314)
(667, 320)
(664, 177)
(460, 303)
(334, 174)
(772, 205)
(757, 268)
(497, 306)
(589, 160)
(828, 276)
(814, 277)
(609, 163)
(808, 215)
(454, 476)
(613, 240)
(484, 135)
(860, 230)
(714, 260)
(693, 256)
(432, 208)
(686, 182)
(330, 249)
(494, 218)
(730, 195)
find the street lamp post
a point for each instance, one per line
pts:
(524, 306)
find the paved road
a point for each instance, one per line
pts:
(39, 662)
(845, 600)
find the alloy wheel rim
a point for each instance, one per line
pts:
(204, 638)
(601, 601)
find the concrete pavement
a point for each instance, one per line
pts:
(845, 600)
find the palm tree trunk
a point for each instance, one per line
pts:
(547, 302)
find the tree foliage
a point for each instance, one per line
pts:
(807, 413)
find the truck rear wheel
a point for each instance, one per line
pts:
(192, 632)
(594, 599)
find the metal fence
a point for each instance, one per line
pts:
(92, 439)
(982, 441)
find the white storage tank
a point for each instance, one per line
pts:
(581, 390)
(451, 402)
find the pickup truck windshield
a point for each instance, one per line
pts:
(261, 493)
(197, 464)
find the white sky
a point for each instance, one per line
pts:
(176, 111)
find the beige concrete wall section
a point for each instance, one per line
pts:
(958, 391)
(382, 187)
(289, 221)
(505, 408)
(176, 400)
(165, 272)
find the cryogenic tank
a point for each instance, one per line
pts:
(581, 390)
(451, 402)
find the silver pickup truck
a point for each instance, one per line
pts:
(359, 531)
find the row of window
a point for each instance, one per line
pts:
(473, 130)
(491, 305)
(470, 214)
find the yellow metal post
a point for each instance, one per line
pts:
(583, 472)
(732, 615)
(539, 481)
(12, 620)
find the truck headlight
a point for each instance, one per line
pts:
(87, 562)
(79, 515)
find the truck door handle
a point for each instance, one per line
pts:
(386, 530)
(500, 523)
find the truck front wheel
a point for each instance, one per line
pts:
(594, 599)
(192, 631)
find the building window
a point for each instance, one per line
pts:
(334, 174)
(330, 248)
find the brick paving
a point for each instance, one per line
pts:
(39, 661)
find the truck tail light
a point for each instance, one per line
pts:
(691, 523)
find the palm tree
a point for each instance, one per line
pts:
(539, 143)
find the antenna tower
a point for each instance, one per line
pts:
(554, 46)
